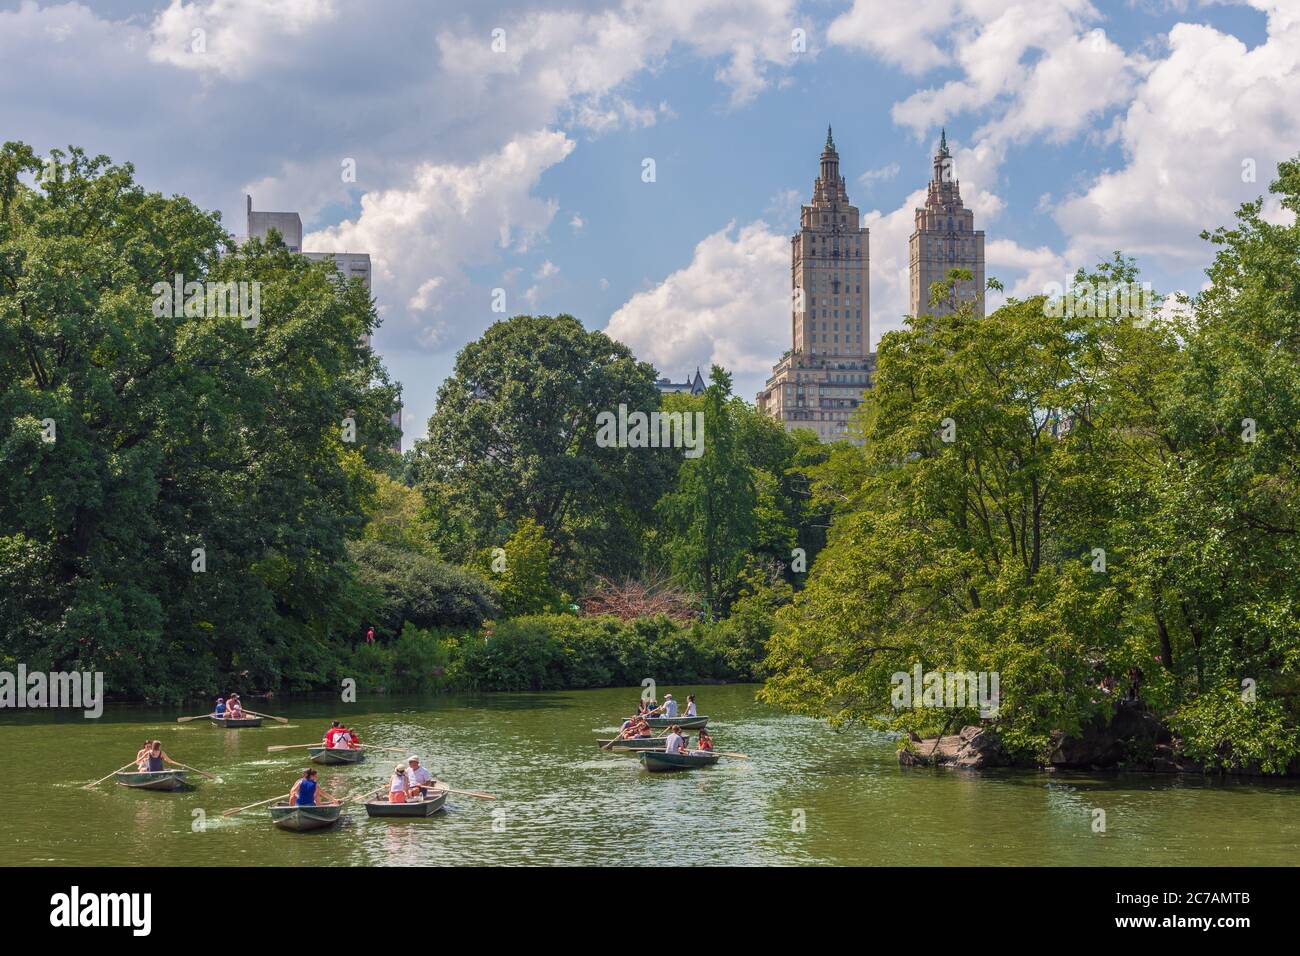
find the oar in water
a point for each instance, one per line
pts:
(283, 720)
(186, 720)
(196, 770)
(723, 753)
(260, 803)
(102, 779)
(322, 744)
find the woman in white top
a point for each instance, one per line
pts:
(398, 786)
(690, 705)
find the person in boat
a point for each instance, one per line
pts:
(220, 709)
(347, 737)
(155, 759)
(234, 709)
(399, 786)
(419, 778)
(142, 753)
(690, 706)
(306, 791)
(705, 742)
(670, 707)
(332, 732)
(626, 730)
(675, 743)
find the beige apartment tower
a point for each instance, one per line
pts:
(818, 384)
(945, 239)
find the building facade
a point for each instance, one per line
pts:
(944, 239)
(351, 265)
(818, 384)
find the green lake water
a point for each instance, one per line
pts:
(808, 795)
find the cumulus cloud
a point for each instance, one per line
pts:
(233, 37)
(1205, 116)
(730, 306)
(450, 216)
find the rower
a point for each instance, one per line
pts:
(670, 707)
(419, 778)
(155, 759)
(690, 705)
(674, 743)
(305, 791)
(333, 732)
(234, 709)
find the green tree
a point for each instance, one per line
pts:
(175, 490)
(525, 572)
(709, 519)
(514, 436)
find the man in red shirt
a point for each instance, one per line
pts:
(333, 732)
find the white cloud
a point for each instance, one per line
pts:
(233, 37)
(547, 269)
(577, 222)
(730, 305)
(1202, 112)
(448, 217)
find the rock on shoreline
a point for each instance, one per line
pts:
(1133, 740)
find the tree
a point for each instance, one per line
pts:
(523, 572)
(175, 490)
(514, 436)
(709, 519)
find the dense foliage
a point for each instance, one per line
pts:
(176, 490)
(1091, 505)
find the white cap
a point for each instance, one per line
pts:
(410, 759)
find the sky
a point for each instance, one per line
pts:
(492, 145)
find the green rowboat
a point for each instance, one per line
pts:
(305, 818)
(686, 723)
(435, 801)
(233, 722)
(667, 763)
(152, 780)
(335, 755)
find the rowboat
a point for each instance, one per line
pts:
(335, 755)
(435, 801)
(667, 763)
(152, 780)
(686, 723)
(632, 743)
(236, 722)
(305, 818)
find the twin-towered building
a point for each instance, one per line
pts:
(819, 383)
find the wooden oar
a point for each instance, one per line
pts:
(283, 796)
(362, 798)
(196, 770)
(473, 793)
(102, 779)
(723, 753)
(186, 720)
(322, 745)
(283, 720)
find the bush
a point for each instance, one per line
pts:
(401, 586)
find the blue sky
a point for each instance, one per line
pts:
(1077, 128)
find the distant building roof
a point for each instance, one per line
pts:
(692, 386)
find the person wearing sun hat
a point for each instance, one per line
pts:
(418, 778)
(399, 785)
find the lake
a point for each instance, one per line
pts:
(807, 795)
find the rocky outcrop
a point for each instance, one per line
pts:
(974, 748)
(1133, 740)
